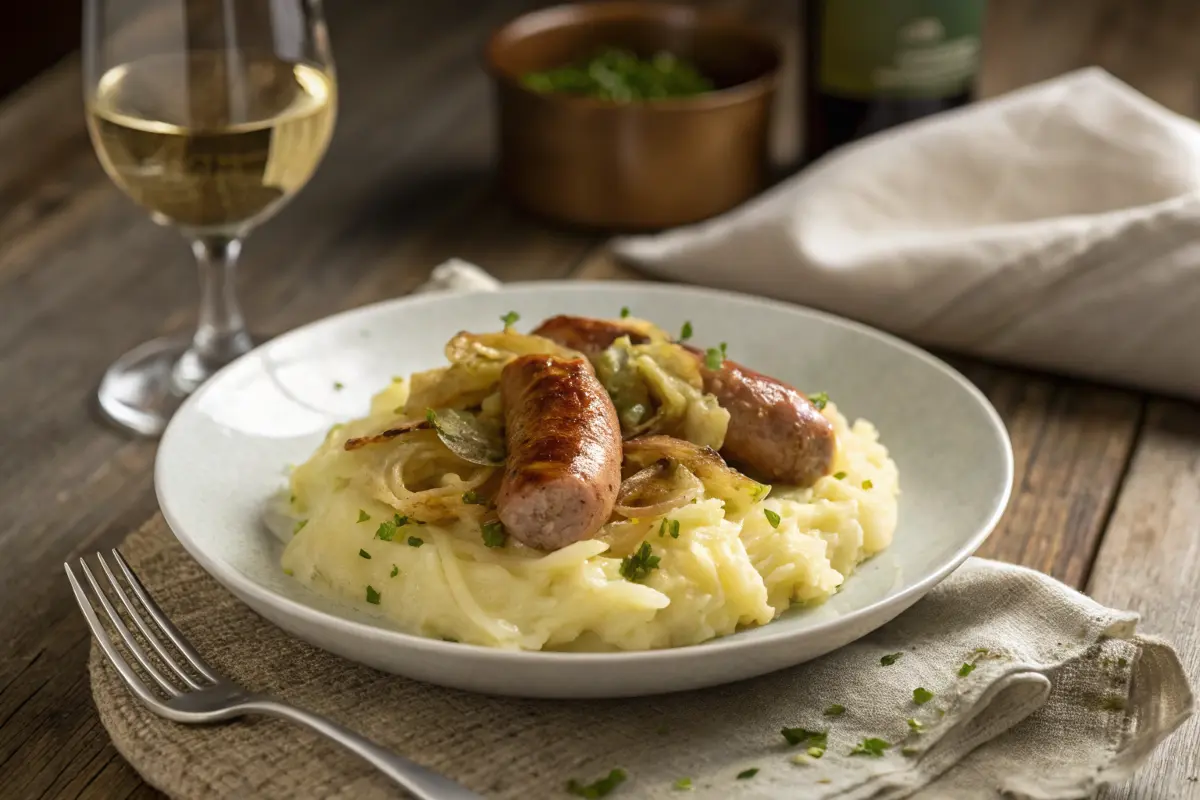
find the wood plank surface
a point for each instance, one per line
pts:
(84, 276)
(1150, 562)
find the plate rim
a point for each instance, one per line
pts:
(229, 576)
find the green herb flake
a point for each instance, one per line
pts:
(494, 534)
(387, 529)
(965, 670)
(338, 386)
(915, 725)
(815, 752)
(363, 516)
(599, 788)
(668, 526)
(624, 312)
(619, 75)
(819, 399)
(299, 526)
(637, 567)
(363, 554)
(921, 695)
(395, 571)
(473, 499)
(835, 710)
(795, 736)
(890, 658)
(870, 747)
(372, 595)
(509, 320)
(747, 774)
(341, 484)
(415, 541)
(714, 357)
(686, 333)
(867, 484)
(837, 476)
(772, 517)
(682, 785)
(289, 573)
(909, 751)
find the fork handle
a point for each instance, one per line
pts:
(424, 784)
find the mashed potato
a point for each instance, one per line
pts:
(718, 574)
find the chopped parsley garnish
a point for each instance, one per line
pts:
(837, 476)
(387, 530)
(472, 499)
(772, 517)
(870, 747)
(909, 751)
(510, 319)
(835, 710)
(670, 526)
(363, 553)
(714, 356)
(921, 695)
(686, 333)
(372, 595)
(494, 534)
(637, 567)
(363, 516)
(600, 788)
(965, 670)
(289, 573)
(395, 571)
(804, 736)
(819, 399)
(890, 658)
(415, 541)
(746, 774)
(815, 752)
(338, 386)
(683, 784)
(915, 725)
(299, 526)
(867, 484)
(624, 312)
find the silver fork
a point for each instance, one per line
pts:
(203, 696)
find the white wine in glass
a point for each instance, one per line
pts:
(210, 114)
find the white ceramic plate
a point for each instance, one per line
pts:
(224, 453)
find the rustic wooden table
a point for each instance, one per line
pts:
(1107, 493)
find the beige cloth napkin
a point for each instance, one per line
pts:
(1061, 695)
(1056, 227)
(1067, 697)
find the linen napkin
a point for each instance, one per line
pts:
(1063, 696)
(1056, 227)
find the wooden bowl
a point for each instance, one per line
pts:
(640, 165)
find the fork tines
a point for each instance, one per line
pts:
(156, 630)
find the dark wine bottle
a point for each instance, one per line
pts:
(873, 64)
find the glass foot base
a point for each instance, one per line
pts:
(139, 392)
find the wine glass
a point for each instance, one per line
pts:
(210, 114)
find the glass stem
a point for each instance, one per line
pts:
(221, 334)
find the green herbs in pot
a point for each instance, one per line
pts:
(622, 76)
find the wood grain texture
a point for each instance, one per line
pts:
(1149, 562)
(84, 276)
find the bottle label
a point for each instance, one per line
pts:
(899, 48)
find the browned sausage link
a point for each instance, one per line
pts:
(587, 335)
(774, 430)
(564, 452)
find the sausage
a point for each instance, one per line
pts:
(774, 430)
(588, 335)
(563, 469)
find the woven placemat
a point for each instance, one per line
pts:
(1036, 710)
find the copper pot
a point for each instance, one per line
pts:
(644, 164)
